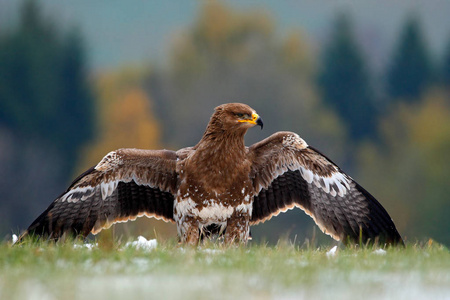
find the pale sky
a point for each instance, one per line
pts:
(137, 31)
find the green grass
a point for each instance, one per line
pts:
(110, 271)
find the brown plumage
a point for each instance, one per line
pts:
(219, 183)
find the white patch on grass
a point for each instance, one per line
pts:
(380, 252)
(212, 251)
(143, 244)
(332, 252)
(89, 246)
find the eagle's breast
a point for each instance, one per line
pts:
(196, 198)
(212, 207)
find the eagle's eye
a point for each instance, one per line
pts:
(243, 116)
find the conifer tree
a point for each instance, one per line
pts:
(410, 70)
(345, 81)
(46, 113)
(446, 67)
(43, 88)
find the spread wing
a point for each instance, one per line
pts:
(288, 173)
(126, 184)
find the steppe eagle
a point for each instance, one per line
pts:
(219, 183)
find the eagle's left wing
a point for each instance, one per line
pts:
(288, 173)
(124, 185)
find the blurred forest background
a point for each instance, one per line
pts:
(368, 86)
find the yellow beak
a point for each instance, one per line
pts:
(256, 120)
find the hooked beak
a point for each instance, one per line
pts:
(259, 122)
(256, 120)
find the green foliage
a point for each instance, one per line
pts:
(409, 169)
(46, 113)
(410, 71)
(43, 89)
(345, 81)
(446, 67)
(63, 272)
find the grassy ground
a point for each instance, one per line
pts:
(112, 271)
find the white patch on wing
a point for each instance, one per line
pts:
(336, 184)
(108, 188)
(308, 175)
(82, 193)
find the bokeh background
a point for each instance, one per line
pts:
(366, 82)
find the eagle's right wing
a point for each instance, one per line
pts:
(288, 173)
(124, 185)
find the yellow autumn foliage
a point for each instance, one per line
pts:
(126, 119)
(429, 131)
(409, 167)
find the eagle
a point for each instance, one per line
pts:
(219, 186)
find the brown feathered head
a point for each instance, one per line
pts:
(234, 116)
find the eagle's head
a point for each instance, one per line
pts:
(235, 116)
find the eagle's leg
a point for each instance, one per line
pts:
(189, 233)
(238, 229)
